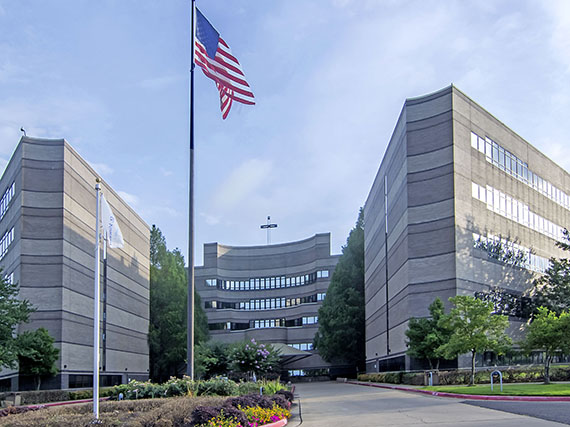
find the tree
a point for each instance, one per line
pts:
(13, 311)
(37, 354)
(211, 359)
(475, 329)
(552, 290)
(254, 358)
(340, 337)
(427, 335)
(168, 302)
(549, 333)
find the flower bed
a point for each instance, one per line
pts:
(244, 411)
(172, 412)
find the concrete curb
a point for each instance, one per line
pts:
(467, 396)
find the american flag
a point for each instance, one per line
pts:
(215, 58)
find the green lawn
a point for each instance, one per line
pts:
(530, 389)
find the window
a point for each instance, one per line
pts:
(514, 166)
(6, 198)
(9, 278)
(515, 210)
(211, 282)
(7, 238)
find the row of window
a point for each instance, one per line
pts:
(516, 210)
(514, 166)
(6, 198)
(265, 304)
(264, 323)
(530, 261)
(308, 372)
(263, 283)
(305, 346)
(507, 302)
(5, 241)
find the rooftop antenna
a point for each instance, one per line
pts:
(23, 130)
(268, 226)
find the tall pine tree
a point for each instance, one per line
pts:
(168, 302)
(340, 338)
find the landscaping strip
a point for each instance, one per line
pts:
(466, 396)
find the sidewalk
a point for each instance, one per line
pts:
(414, 389)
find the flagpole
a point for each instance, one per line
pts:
(190, 322)
(96, 307)
(104, 352)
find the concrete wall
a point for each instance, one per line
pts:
(430, 243)
(52, 257)
(280, 260)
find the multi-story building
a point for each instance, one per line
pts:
(456, 180)
(47, 228)
(269, 293)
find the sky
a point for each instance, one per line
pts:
(329, 76)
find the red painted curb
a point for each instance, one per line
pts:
(279, 423)
(468, 396)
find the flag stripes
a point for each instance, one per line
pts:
(223, 67)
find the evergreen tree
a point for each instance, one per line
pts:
(426, 336)
(340, 338)
(168, 302)
(13, 311)
(37, 354)
(552, 290)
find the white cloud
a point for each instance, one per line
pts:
(161, 82)
(102, 169)
(210, 219)
(166, 172)
(131, 199)
(251, 176)
(559, 12)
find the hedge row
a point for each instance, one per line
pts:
(217, 386)
(510, 375)
(145, 389)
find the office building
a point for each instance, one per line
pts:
(270, 293)
(456, 180)
(47, 243)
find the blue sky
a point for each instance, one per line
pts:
(330, 78)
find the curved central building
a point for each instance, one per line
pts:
(271, 293)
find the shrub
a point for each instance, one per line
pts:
(217, 387)
(457, 377)
(270, 386)
(286, 394)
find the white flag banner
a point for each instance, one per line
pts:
(110, 225)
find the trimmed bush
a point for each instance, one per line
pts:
(458, 377)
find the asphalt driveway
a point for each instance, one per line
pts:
(331, 404)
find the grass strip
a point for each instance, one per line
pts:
(526, 389)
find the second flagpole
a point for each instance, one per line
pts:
(96, 304)
(190, 314)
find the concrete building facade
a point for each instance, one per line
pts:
(47, 229)
(269, 293)
(456, 181)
